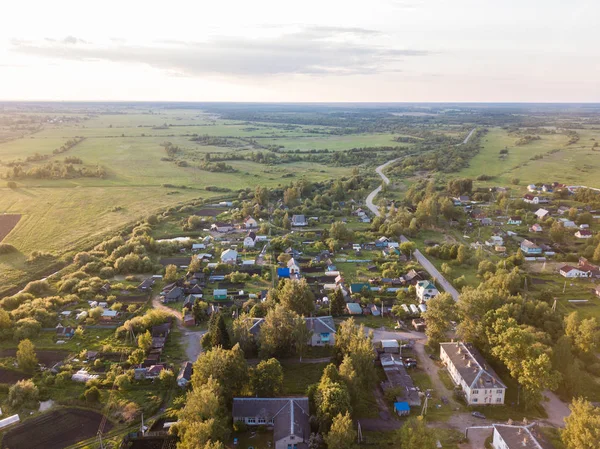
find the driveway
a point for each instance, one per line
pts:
(556, 410)
(190, 340)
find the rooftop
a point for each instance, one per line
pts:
(471, 366)
(522, 437)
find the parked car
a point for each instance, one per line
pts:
(478, 415)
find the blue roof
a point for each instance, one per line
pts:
(283, 272)
(402, 406)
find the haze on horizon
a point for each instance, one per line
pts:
(313, 51)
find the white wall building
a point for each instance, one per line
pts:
(469, 370)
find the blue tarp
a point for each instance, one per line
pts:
(283, 272)
(401, 407)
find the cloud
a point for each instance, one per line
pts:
(309, 50)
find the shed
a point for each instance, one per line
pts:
(390, 346)
(354, 308)
(220, 294)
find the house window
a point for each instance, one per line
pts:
(475, 391)
(498, 400)
(251, 420)
(475, 400)
(498, 391)
(261, 420)
(272, 421)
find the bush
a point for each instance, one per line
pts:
(11, 185)
(6, 248)
(23, 392)
(92, 394)
(515, 181)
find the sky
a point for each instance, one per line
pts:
(301, 51)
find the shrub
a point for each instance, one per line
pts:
(6, 248)
(11, 185)
(23, 392)
(92, 394)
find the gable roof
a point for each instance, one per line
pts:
(290, 414)
(471, 366)
(522, 437)
(321, 325)
(186, 371)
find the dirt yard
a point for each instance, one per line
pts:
(54, 430)
(7, 223)
(47, 357)
(8, 376)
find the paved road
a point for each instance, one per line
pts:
(433, 271)
(374, 193)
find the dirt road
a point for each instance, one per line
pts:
(189, 339)
(374, 193)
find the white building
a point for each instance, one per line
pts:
(507, 436)
(250, 240)
(229, 256)
(469, 370)
(426, 290)
(568, 271)
(250, 223)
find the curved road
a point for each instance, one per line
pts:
(429, 267)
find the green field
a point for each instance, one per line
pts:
(63, 216)
(572, 164)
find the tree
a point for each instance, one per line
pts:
(217, 334)
(462, 255)
(337, 304)
(266, 380)
(597, 253)
(339, 231)
(584, 334)
(241, 333)
(23, 392)
(199, 310)
(342, 434)
(228, 367)
(557, 232)
(407, 248)
(280, 332)
(297, 296)
(204, 417)
(331, 399)
(26, 358)
(414, 434)
(92, 394)
(441, 309)
(170, 273)
(526, 357)
(145, 341)
(137, 357)
(195, 265)
(354, 342)
(582, 426)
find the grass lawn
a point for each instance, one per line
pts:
(298, 376)
(572, 164)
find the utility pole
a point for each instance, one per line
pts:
(424, 409)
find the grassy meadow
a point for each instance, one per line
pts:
(575, 164)
(63, 216)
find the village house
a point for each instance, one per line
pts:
(568, 271)
(532, 188)
(469, 370)
(229, 256)
(530, 248)
(185, 374)
(531, 199)
(536, 228)
(293, 267)
(322, 330)
(568, 223)
(541, 213)
(220, 294)
(221, 227)
(299, 220)
(426, 290)
(250, 223)
(146, 285)
(250, 240)
(515, 220)
(198, 246)
(508, 436)
(399, 380)
(173, 295)
(288, 417)
(495, 240)
(583, 234)
(584, 265)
